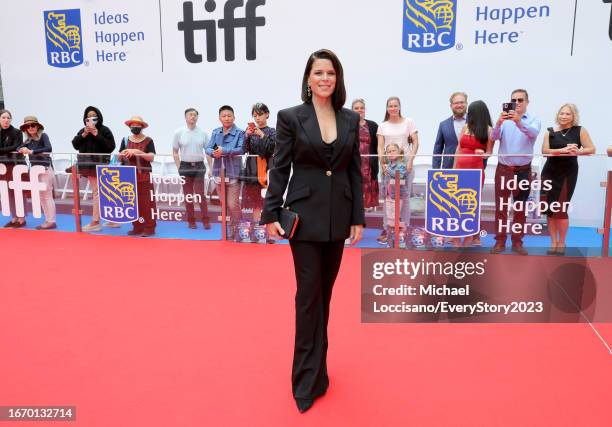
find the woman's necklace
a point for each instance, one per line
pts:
(566, 132)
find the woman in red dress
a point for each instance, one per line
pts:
(474, 146)
(368, 147)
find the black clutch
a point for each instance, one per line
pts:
(288, 221)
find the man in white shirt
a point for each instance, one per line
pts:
(188, 151)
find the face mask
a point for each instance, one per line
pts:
(136, 130)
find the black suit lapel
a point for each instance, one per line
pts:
(308, 121)
(342, 129)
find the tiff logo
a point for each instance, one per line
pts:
(19, 187)
(610, 27)
(228, 23)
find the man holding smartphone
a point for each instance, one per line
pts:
(225, 146)
(517, 132)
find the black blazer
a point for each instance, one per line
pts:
(327, 196)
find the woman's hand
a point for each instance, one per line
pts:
(479, 151)
(356, 234)
(409, 166)
(275, 230)
(385, 169)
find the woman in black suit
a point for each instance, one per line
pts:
(320, 140)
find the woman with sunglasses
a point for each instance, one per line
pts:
(10, 139)
(37, 147)
(94, 138)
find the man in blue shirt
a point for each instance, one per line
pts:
(225, 146)
(516, 131)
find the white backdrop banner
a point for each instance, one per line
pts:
(156, 57)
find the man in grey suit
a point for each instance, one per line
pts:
(449, 132)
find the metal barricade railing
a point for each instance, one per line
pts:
(591, 219)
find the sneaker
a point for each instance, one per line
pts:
(46, 226)
(134, 232)
(148, 233)
(192, 225)
(89, 228)
(111, 225)
(382, 239)
(206, 225)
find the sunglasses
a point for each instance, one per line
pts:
(518, 100)
(32, 126)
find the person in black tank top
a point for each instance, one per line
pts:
(563, 145)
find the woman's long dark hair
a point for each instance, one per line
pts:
(339, 95)
(479, 121)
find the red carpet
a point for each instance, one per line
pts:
(138, 332)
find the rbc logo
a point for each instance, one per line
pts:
(429, 25)
(64, 38)
(117, 187)
(453, 202)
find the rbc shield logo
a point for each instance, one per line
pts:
(64, 38)
(429, 25)
(118, 190)
(453, 202)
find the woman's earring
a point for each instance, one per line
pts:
(308, 91)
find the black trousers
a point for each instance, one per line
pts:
(193, 174)
(316, 267)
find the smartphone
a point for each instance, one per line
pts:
(252, 125)
(509, 106)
